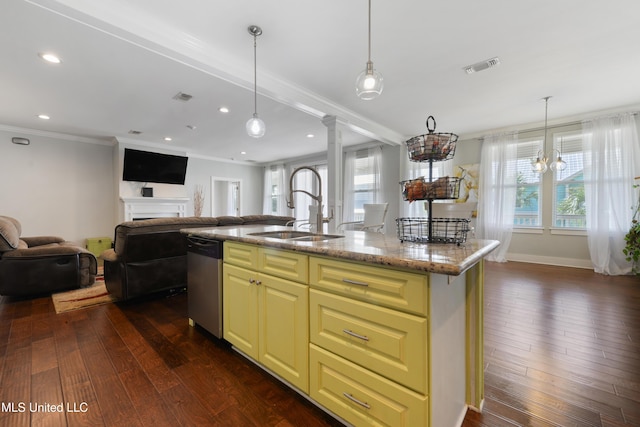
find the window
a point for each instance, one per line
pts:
(307, 181)
(529, 189)
(362, 181)
(568, 185)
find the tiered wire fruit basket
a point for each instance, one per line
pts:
(432, 147)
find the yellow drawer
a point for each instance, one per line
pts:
(284, 264)
(388, 342)
(361, 397)
(378, 285)
(241, 254)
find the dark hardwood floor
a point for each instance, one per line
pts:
(562, 349)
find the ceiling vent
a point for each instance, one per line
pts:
(483, 65)
(134, 132)
(184, 97)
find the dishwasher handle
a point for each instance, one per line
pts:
(206, 247)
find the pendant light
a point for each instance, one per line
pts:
(540, 164)
(255, 126)
(369, 83)
(558, 164)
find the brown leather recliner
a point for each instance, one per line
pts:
(32, 266)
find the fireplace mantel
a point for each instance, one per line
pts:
(135, 208)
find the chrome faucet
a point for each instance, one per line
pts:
(290, 203)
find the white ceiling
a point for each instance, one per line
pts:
(123, 62)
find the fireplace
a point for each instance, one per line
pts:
(137, 208)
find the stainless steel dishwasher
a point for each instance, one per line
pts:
(204, 283)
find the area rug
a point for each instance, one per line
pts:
(77, 299)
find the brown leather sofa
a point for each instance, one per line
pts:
(39, 265)
(151, 255)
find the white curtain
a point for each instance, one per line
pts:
(497, 188)
(275, 187)
(611, 161)
(368, 173)
(306, 180)
(413, 170)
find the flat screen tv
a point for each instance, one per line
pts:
(145, 166)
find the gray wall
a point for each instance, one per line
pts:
(71, 187)
(57, 186)
(544, 248)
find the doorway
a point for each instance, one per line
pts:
(226, 196)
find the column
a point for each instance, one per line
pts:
(334, 171)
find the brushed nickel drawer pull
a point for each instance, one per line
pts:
(353, 334)
(354, 282)
(353, 399)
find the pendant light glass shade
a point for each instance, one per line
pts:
(255, 126)
(369, 83)
(558, 164)
(540, 164)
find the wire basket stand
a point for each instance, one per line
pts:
(432, 147)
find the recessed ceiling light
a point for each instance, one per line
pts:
(310, 135)
(223, 110)
(134, 132)
(167, 138)
(50, 57)
(43, 117)
(243, 152)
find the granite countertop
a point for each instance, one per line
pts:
(375, 248)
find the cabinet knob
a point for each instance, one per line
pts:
(252, 281)
(258, 282)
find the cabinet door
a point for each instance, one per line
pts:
(240, 308)
(284, 331)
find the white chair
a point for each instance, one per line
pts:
(374, 216)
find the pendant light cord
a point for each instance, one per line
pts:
(369, 31)
(255, 77)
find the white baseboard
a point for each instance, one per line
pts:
(562, 262)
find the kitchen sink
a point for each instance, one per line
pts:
(301, 236)
(317, 238)
(282, 234)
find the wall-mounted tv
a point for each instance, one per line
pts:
(145, 166)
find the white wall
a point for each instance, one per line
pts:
(57, 186)
(199, 172)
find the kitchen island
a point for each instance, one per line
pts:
(375, 331)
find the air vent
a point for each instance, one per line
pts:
(134, 132)
(483, 65)
(184, 97)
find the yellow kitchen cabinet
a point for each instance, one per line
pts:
(267, 317)
(400, 290)
(389, 342)
(362, 397)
